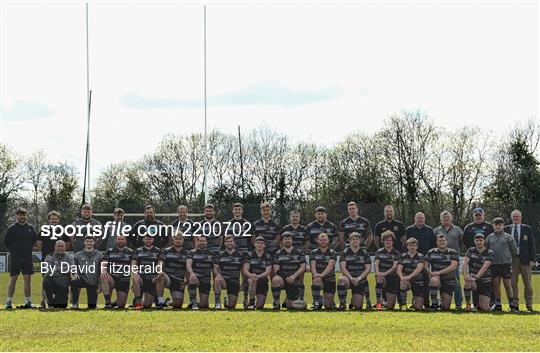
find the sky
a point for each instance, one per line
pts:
(314, 71)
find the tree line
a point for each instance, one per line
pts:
(410, 163)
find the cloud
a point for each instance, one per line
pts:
(27, 110)
(264, 93)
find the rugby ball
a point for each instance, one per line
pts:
(299, 305)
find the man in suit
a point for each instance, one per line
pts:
(523, 262)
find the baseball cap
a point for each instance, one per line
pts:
(478, 210)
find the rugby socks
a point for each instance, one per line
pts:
(433, 291)
(367, 296)
(467, 294)
(192, 289)
(316, 290)
(301, 291)
(276, 291)
(161, 300)
(378, 291)
(402, 297)
(107, 298)
(217, 298)
(342, 294)
(27, 300)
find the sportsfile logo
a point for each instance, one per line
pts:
(157, 230)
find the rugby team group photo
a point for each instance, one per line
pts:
(183, 264)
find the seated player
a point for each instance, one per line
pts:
(257, 268)
(299, 240)
(172, 261)
(409, 271)
(386, 260)
(322, 265)
(289, 266)
(227, 268)
(116, 272)
(56, 281)
(88, 262)
(477, 273)
(144, 273)
(441, 264)
(199, 265)
(355, 265)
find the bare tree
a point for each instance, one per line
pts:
(36, 168)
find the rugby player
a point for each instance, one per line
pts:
(211, 229)
(185, 225)
(504, 250)
(289, 265)
(441, 264)
(257, 268)
(355, 223)
(268, 228)
(409, 270)
(321, 225)
(477, 273)
(56, 281)
(148, 225)
(322, 265)
(386, 261)
(77, 241)
(199, 266)
(240, 228)
(300, 241)
(172, 261)
(392, 224)
(144, 271)
(88, 262)
(227, 268)
(116, 272)
(46, 243)
(19, 240)
(355, 265)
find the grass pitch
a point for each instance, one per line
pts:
(184, 330)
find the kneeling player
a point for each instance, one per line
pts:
(409, 270)
(477, 273)
(172, 261)
(144, 269)
(443, 262)
(289, 266)
(386, 260)
(322, 264)
(115, 272)
(227, 268)
(199, 265)
(257, 268)
(355, 265)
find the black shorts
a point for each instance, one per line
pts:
(204, 286)
(392, 285)
(483, 288)
(233, 286)
(121, 284)
(360, 288)
(262, 287)
(21, 264)
(292, 290)
(417, 289)
(148, 286)
(501, 270)
(448, 285)
(329, 286)
(174, 284)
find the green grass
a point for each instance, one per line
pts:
(183, 330)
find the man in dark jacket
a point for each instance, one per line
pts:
(525, 260)
(19, 240)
